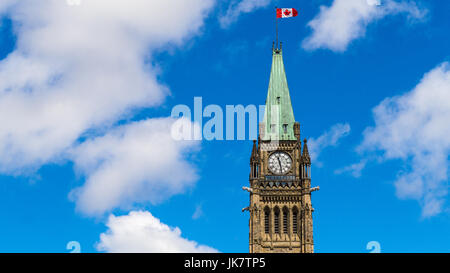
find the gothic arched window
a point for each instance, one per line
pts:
(277, 219)
(267, 220)
(285, 220)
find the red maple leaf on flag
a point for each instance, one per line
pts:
(285, 13)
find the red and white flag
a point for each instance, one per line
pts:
(286, 13)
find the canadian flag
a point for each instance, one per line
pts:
(286, 13)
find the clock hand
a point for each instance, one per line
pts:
(279, 162)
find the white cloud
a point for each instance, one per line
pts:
(415, 128)
(137, 162)
(140, 231)
(236, 8)
(5, 5)
(198, 212)
(336, 26)
(327, 139)
(76, 71)
(81, 68)
(354, 169)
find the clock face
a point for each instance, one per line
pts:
(280, 163)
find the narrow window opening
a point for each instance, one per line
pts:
(285, 221)
(266, 221)
(277, 221)
(295, 221)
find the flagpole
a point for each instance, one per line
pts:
(276, 25)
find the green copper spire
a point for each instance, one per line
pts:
(278, 116)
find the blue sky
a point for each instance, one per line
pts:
(47, 201)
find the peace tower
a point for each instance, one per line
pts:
(280, 175)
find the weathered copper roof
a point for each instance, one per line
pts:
(278, 117)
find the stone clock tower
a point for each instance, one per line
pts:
(280, 176)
